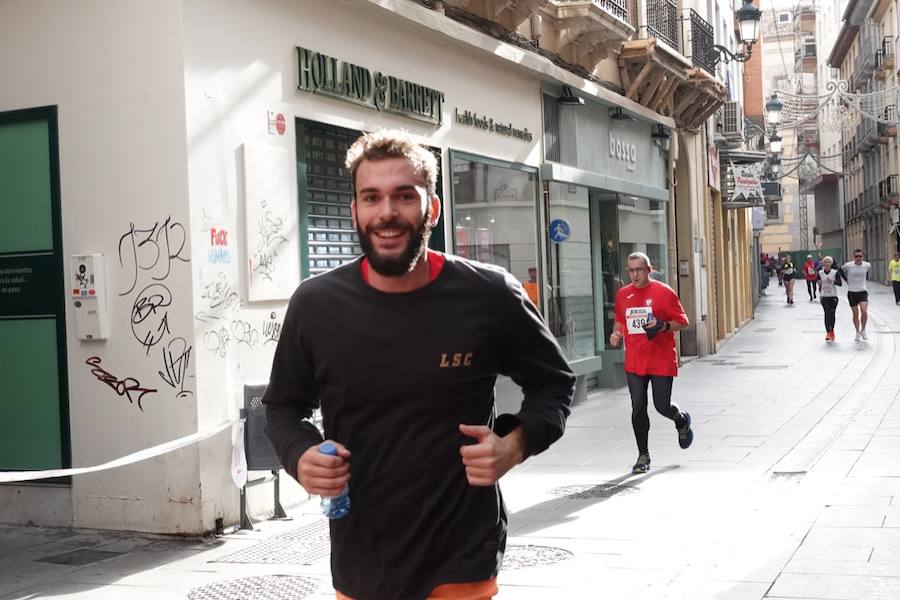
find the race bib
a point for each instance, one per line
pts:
(636, 317)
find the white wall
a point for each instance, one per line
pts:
(240, 63)
(155, 102)
(113, 68)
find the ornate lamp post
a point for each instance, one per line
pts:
(748, 17)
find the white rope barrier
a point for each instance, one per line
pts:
(18, 476)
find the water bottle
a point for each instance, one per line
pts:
(338, 506)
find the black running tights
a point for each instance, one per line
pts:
(811, 287)
(829, 305)
(662, 400)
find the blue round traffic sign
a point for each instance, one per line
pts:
(560, 230)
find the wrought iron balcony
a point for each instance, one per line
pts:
(688, 33)
(699, 41)
(884, 59)
(617, 8)
(888, 130)
(887, 52)
(888, 191)
(662, 21)
(864, 66)
(865, 135)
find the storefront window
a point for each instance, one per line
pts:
(495, 216)
(572, 308)
(642, 228)
(328, 236)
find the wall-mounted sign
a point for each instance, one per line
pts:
(467, 117)
(714, 172)
(560, 230)
(623, 150)
(28, 284)
(277, 123)
(329, 76)
(747, 181)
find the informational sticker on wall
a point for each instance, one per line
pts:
(271, 224)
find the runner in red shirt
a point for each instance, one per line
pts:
(647, 314)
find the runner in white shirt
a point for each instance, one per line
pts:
(857, 296)
(829, 279)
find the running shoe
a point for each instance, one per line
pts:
(827, 336)
(685, 433)
(858, 337)
(831, 336)
(862, 332)
(642, 465)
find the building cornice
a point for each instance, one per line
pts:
(437, 25)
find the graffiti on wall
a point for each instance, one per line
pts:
(219, 250)
(271, 225)
(147, 257)
(128, 387)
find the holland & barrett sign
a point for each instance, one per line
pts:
(322, 74)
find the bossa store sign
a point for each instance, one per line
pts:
(322, 74)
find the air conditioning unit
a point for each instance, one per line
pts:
(733, 121)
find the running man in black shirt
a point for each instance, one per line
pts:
(401, 350)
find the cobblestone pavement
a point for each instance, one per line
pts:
(790, 490)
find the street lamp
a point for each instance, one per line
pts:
(748, 17)
(773, 110)
(775, 143)
(775, 165)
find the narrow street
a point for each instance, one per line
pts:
(790, 490)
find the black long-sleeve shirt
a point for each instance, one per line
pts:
(395, 375)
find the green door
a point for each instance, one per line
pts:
(33, 392)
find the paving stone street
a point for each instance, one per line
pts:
(791, 490)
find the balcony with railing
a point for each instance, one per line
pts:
(805, 57)
(869, 43)
(662, 22)
(887, 128)
(888, 191)
(699, 40)
(670, 67)
(884, 58)
(866, 135)
(581, 33)
(805, 16)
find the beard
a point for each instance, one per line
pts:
(402, 263)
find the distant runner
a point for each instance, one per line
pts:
(857, 295)
(894, 268)
(829, 279)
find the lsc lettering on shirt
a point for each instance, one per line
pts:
(457, 359)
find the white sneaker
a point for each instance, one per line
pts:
(862, 332)
(858, 337)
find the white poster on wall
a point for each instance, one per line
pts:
(271, 224)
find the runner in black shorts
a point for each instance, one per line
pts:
(857, 296)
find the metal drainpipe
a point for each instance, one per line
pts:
(675, 282)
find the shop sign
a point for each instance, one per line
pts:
(322, 74)
(747, 181)
(467, 117)
(28, 285)
(623, 150)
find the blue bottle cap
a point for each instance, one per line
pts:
(328, 448)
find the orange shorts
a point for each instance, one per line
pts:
(479, 590)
